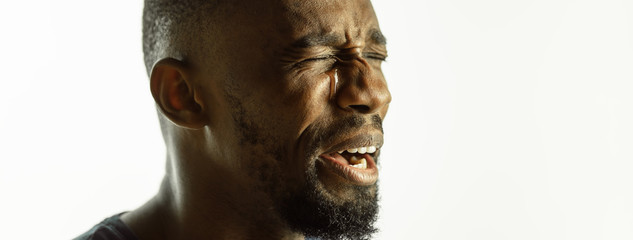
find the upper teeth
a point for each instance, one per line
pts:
(361, 150)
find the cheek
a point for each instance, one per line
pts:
(310, 98)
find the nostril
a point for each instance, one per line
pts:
(360, 108)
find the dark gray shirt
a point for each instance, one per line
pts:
(111, 228)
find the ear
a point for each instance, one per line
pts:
(175, 94)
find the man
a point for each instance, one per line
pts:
(271, 113)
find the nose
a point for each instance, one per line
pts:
(362, 88)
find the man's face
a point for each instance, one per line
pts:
(295, 93)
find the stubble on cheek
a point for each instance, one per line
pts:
(264, 153)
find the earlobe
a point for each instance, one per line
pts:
(175, 94)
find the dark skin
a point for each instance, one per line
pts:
(244, 122)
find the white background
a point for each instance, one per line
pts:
(509, 120)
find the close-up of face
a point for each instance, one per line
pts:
(298, 103)
(506, 119)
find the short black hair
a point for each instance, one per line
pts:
(171, 28)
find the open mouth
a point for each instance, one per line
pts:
(357, 165)
(357, 157)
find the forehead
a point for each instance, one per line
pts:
(274, 23)
(264, 29)
(350, 18)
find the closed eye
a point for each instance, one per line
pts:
(319, 58)
(375, 56)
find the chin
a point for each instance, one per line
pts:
(331, 211)
(339, 190)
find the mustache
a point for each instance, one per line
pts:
(349, 125)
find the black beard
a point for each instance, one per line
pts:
(309, 210)
(312, 213)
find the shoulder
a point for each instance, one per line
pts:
(111, 228)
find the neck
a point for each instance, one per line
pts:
(217, 208)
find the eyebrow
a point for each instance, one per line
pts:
(331, 39)
(317, 40)
(376, 36)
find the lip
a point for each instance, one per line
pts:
(337, 164)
